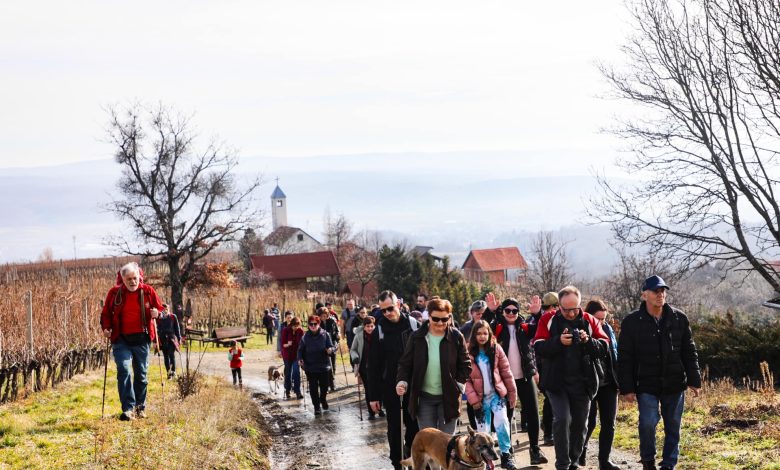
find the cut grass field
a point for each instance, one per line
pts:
(219, 427)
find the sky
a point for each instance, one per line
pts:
(288, 82)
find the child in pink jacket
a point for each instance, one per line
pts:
(490, 386)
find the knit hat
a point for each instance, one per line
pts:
(549, 299)
(510, 301)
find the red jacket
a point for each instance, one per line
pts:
(503, 380)
(543, 330)
(291, 353)
(125, 317)
(236, 356)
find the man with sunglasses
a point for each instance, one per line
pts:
(434, 369)
(657, 360)
(512, 334)
(388, 342)
(570, 346)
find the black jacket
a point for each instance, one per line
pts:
(523, 343)
(332, 327)
(554, 353)
(313, 351)
(657, 358)
(388, 342)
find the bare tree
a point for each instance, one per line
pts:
(549, 258)
(361, 263)
(707, 76)
(623, 288)
(181, 203)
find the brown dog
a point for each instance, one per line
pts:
(460, 452)
(274, 375)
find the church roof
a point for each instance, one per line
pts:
(278, 193)
(281, 234)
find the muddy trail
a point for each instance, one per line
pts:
(339, 439)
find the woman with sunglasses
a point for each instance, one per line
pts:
(434, 368)
(314, 354)
(512, 334)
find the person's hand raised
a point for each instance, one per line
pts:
(491, 301)
(535, 306)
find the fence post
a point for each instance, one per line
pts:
(211, 307)
(30, 323)
(86, 315)
(248, 312)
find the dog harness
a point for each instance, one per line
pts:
(452, 453)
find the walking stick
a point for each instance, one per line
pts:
(159, 365)
(401, 427)
(343, 367)
(360, 400)
(105, 375)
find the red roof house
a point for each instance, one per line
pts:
(297, 269)
(497, 265)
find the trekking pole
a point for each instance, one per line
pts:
(360, 400)
(401, 427)
(343, 367)
(159, 364)
(105, 375)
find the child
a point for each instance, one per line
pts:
(361, 347)
(236, 356)
(489, 387)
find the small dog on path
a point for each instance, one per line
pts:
(273, 376)
(459, 452)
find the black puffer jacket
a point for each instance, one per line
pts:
(657, 358)
(501, 330)
(388, 342)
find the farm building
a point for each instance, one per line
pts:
(298, 271)
(498, 265)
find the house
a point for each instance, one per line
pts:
(298, 271)
(501, 266)
(286, 240)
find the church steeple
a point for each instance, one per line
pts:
(278, 207)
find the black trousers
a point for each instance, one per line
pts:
(332, 382)
(236, 375)
(269, 335)
(393, 412)
(570, 409)
(547, 417)
(169, 356)
(526, 394)
(368, 403)
(318, 387)
(606, 401)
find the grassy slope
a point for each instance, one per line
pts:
(61, 428)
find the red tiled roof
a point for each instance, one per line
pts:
(297, 265)
(497, 259)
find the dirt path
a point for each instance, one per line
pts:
(338, 439)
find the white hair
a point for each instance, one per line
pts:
(131, 267)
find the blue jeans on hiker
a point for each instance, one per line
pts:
(671, 409)
(292, 376)
(494, 408)
(131, 394)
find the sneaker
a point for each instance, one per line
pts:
(140, 413)
(126, 416)
(381, 413)
(507, 461)
(317, 412)
(608, 466)
(537, 456)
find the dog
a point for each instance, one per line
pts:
(273, 376)
(466, 451)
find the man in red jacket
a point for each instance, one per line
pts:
(128, 320)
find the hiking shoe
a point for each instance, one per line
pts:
(608, 466)
(381, 413)
(507, 461)
(317, 412)
(126, 416)
(140, 413)
(537, 456)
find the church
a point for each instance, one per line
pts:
(285, 240)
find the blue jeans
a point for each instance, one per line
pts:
(292, 376)
(494, 406)
(131, 395)
(671, 407)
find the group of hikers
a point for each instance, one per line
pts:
(418, 366)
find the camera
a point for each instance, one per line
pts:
(575, 336)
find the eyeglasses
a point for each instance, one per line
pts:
(388, 309)
(440, 319)
(570, 310)
(511, 311)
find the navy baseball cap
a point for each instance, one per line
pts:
(653, 283)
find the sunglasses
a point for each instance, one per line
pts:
(388, 309)
(511, 311)
(440, 319)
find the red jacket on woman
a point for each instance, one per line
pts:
(291, 353)
(503, 380)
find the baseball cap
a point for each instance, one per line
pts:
(478, 305)
(653, 283)
(550, 298)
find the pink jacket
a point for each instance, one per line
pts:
(503, 380)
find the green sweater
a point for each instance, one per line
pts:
(432, 381)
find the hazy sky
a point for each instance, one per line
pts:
(285, 79)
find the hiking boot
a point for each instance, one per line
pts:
(317, 412)
(648, 465)
(548, 440)
(507, 461)
(608, 466)
(537, 456)
(140, 413)
(583, 457)
(127, 416)
(381, 413)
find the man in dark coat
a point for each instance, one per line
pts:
(657, 360)
(388, 343)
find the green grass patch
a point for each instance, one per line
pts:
(62, 428)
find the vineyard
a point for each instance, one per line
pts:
(50, 317)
